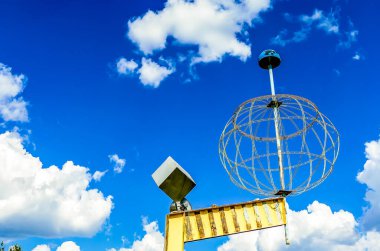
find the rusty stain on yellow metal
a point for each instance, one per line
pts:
(212, 223)
(187, 226)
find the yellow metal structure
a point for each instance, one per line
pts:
(182, 227)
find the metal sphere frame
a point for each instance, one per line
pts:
(310, 146)
(278, 144)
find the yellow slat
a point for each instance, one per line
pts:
(250, 217)
(218, 222)
(229, 220)
(206, 223)
(262, 215)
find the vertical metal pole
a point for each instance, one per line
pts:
(284, 218)
(276, 122)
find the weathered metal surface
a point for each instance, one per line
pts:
(212, 222)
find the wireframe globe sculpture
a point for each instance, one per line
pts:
(278, 144)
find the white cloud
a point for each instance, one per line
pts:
(41, 248)
(370, 176)
(205, 31)
(68, 246)
(211, 25)
(329, 23)
(118, 163)
(153, 239)
(151, 73)
(356, 57)
(12, 107)
(46, 202)
(125, 66)
(297, 36)
(97, 176)
(14, 110)
(349, 37)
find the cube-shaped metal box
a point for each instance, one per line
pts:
(171, 178)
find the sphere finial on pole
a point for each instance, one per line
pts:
(269, 58)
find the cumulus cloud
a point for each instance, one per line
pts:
(320, 20)
(204, 30)
(211, 25)
(370, 176)
(12, 107)
(41, 248)
(46, 202)
(68, 246)
(118, 163)
(151, 73)
(98, 175)
(125, 67)
(153, 239)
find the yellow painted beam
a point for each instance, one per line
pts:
(174, 232)
(182, 227)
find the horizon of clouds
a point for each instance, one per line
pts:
(330, 23)
(51, 202)
(217, 28)
(314, 228)
(12, 105)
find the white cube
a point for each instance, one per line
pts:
(171, 178)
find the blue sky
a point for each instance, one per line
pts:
(110, 84)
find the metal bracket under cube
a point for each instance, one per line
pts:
(171, 178)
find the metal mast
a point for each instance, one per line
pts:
(268, 60)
